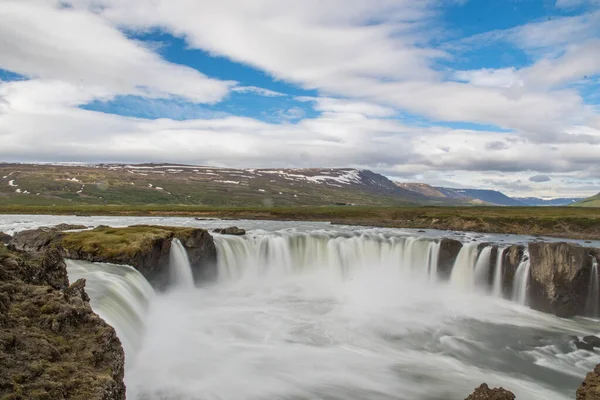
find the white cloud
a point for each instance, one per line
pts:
(37, 39)
(499, 78)
(257, 90)
(328, 104)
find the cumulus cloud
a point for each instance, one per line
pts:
(540, 178)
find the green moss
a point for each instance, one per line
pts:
(114, 242)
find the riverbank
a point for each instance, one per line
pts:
(566, 222)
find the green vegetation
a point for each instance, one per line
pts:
(593, 201)
(583, 223)
(119, 242)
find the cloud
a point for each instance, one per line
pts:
(257, 90)
(540, 178)
(345, 106)
(41, 40)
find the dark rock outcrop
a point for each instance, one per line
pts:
(483, 392)
(5, 238)
(449, 249)
(559, 278)
(52, 345)
(232, 230)
(593, 340)
(146, 248)
(68, 227)
(590, 388)
(35, 240)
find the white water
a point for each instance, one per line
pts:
(521, 280)
(593, 296)
(463, 271)
(482, 268)
(180, 270)
(336, 315)
(498, 274)
(120, 295)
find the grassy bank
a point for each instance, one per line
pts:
(580, 223)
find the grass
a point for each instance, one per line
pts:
(573, 222)
(593, 201)
(114, 242)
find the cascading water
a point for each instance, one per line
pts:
(521, 281)
(482, 267)
(498, 273)
(593, 296)
(119, 294)
(180, 270)
(434, 253)
(462, 275)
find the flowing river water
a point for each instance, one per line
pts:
(314, 311)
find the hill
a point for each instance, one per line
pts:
(34, 184)
(537, 202)
(593, 201)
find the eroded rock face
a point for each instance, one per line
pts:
(35, 240)
(52, 345)
(590, 388)
(559, 278)
(449, 249)
(483, 392)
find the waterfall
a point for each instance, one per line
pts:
(521, 280)
(284, 253)
(180, 270)
(593, 296)
(482, 267)
(119, 294)
(498, 274)
(462, 271)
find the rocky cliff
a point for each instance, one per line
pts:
(52, 345)
(144, 247)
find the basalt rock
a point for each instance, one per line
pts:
(146, 248)
(4, 238)
(35, 240)
(559, 278)
(512, 257)
(232, 230)
(449, 249)
(590, 388)
(52, 345)
(483, 392)
(593, 340)
(68, 227)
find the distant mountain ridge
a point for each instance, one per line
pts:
(484, 197)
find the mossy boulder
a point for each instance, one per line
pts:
(145, 247)
(484, 392)
(52, 345)
(590, 387)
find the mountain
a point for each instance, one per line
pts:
(593, 201)
(461, 196)
(537, 202)
(55, 184)
(488, 196)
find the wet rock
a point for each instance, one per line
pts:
(559, 278)
(232, 230)
(483, 392)
(35, 240)
(449, 249)
(590, 388)
(5, 238)
(68, 227)
(592, 340)
(582, 345)
(52, 345)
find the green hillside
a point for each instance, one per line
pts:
(593, 201)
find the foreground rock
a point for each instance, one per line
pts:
(52, 345)
(4, 238)
(559, 279)
(144, 247)
(232, 230)
(35, 240)
(483, 392)
(590, 388)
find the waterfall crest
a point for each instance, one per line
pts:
(498, 274)
(593, 296)
(180, 270)
(521, 281)
(482, 267)
(119, 294)
(463, 271)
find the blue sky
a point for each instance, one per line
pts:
(471, 93)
